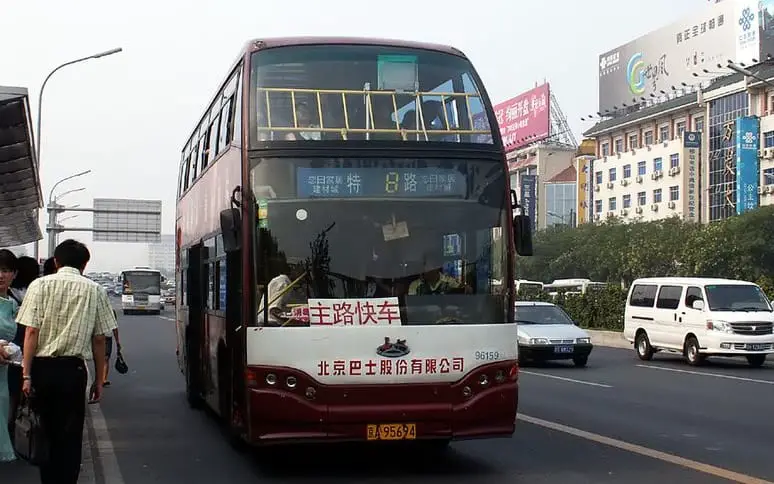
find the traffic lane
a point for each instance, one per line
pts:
(158, 439)
(613, 366)
(704, 418)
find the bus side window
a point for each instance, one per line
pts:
(222, 285)
(184, 174)
(226, 125)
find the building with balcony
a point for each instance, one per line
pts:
(647, 183)
(681, 156)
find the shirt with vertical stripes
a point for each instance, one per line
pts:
(68, 309)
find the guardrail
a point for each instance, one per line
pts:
(267, 122)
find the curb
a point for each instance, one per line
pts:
(610, 339)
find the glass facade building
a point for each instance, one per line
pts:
(722, 153)
(561, 204)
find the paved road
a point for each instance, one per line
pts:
(152, 436)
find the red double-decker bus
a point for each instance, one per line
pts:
(344, 218)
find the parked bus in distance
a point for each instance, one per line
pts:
(343, 207)
(141, 291)
(528, 287)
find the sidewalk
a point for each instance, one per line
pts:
(19, 472)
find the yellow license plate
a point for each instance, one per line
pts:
(405, 431)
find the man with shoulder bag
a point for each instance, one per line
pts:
(67, 317)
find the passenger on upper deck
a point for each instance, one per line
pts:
(304, 120)
(434, 281)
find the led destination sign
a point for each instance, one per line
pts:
(379, 182)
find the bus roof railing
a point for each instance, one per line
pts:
(369, 121)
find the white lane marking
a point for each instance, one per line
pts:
(106, 459)
(166, 318)
(646, 451)
(571, 380)
(703, 373)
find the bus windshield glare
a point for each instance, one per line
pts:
(365, 92)
(142, 282)
(425, 231)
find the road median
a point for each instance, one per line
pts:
(611, 339)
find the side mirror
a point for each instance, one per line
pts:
(522, 234)
(514, 201)
(230, 226)
(698, 304)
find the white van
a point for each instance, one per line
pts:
(699, 317)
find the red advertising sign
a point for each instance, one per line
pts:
(525, 118)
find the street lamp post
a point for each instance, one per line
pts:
(40, 106)
(53, 210)
(68, 192)
(59, 226)
(747, 72)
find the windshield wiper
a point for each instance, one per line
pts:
(754, 308)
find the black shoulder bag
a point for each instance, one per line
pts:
(30, 440)
(121, 366)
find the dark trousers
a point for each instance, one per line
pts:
(59, 386)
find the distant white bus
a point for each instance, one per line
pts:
(141, 291)
(573, 286)
(525, 285)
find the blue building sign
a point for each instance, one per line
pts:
(692, 139)
(747, 170)
(528, 198)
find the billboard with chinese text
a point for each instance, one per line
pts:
(528, 199)
(525, 118)
(747, 170)
(643, 68)
(691, 160)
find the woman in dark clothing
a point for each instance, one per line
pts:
(28, 270)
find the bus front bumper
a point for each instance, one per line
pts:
(311, 412)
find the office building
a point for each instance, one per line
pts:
(161, 255)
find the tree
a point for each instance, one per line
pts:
(740, 247)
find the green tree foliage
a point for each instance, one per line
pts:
(598, 309)
(740, 247)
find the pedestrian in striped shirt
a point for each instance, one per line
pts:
(67, 317)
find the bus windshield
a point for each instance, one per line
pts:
(428, 232)
(143, 282)
(365, 92)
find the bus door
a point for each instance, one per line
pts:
(194, 332)
(230, 294)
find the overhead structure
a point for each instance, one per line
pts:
(20, 193)
(560, 132)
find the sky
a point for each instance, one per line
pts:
(126, 117)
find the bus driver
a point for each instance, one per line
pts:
(433, 280)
